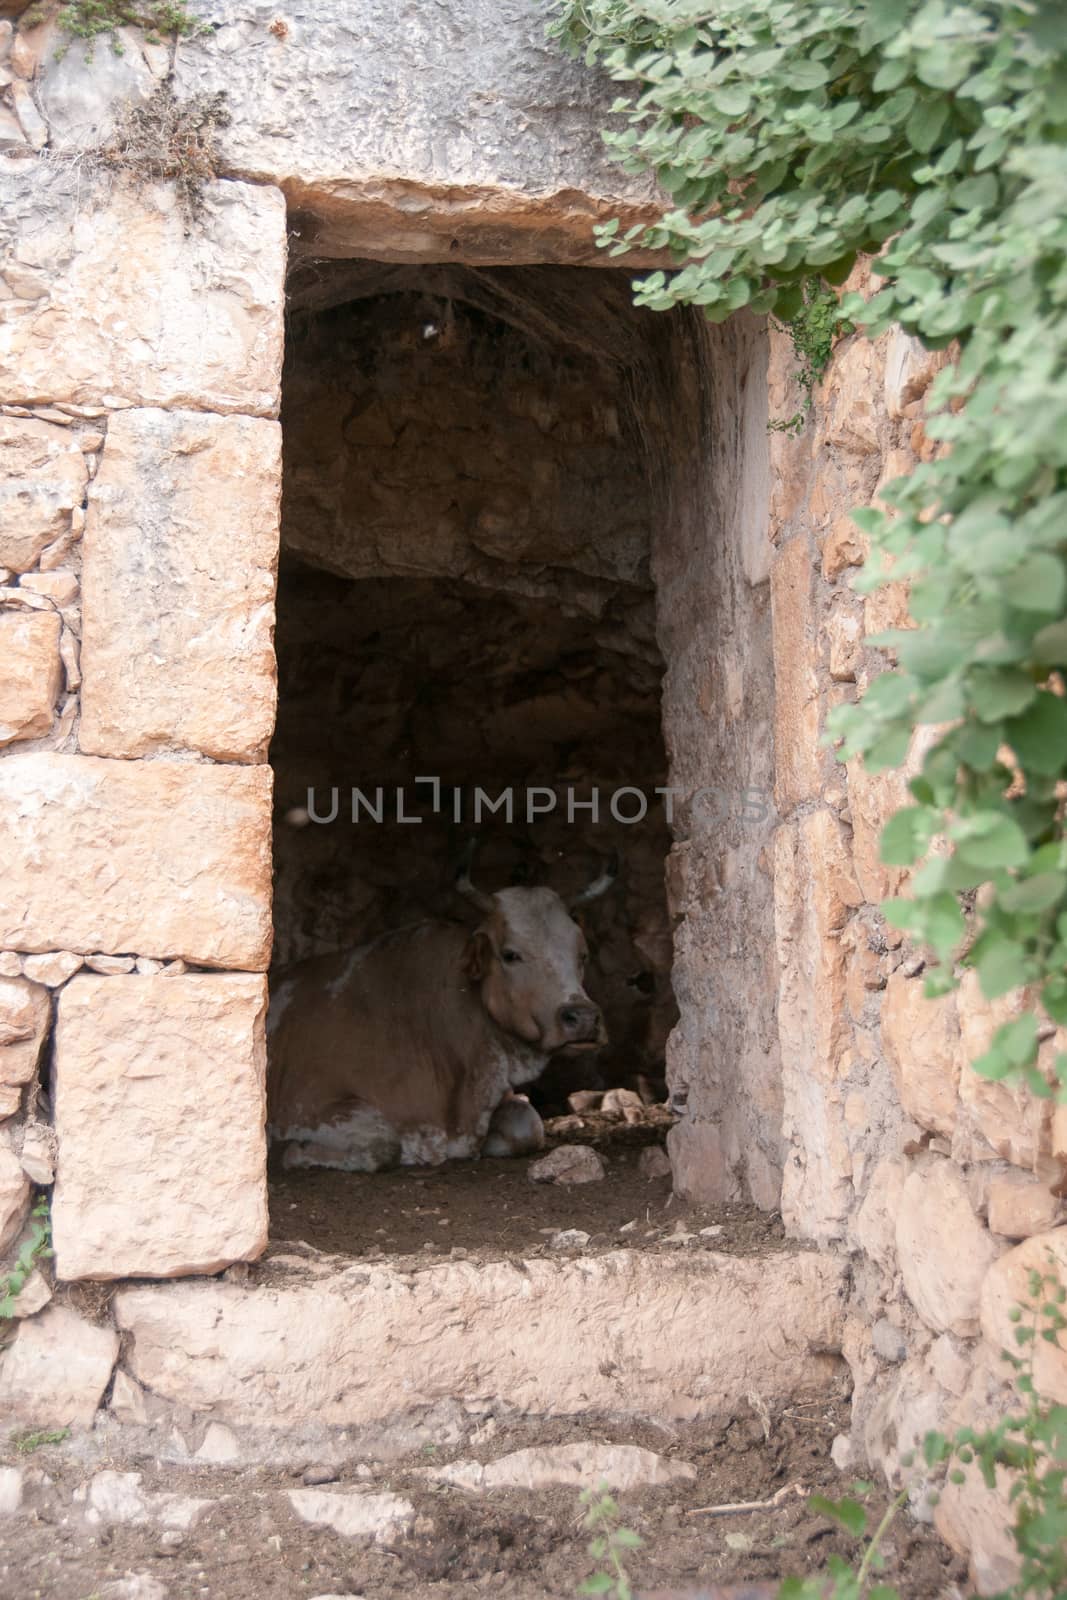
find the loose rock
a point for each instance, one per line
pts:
(10, 1491)
(54, 1372)
(620, 1466)
(570, 1163)
(354, 1516)
(623, 1103)
(14, 1197)
(654, 1162)
(53, 968)
(570, 1239)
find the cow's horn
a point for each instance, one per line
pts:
(599, 885)
(465, 887)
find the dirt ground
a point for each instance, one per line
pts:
(520, 1545)
(250, 1545)
(490, 1208)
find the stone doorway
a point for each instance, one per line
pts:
(466, 628)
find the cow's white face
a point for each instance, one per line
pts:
(528, 959)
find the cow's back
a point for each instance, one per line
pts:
(393, 1025)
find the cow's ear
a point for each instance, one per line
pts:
(476, 955)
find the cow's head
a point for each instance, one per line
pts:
(527, 957)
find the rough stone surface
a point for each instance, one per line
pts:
(53, 968)
(180, 318)
(43, 477)
(10, 1491)
(556, 1335)
(33, 1296)
(150, 1073)
(944, 1251)
(116, 856)
(177, 632)
(1007, 1286)
(55, 1371)
(14, 1197)
(25, 1014)
(811, 888)
(569, 1163)
(922, 1041)
(620, 1466)
(1020, 1204)
(32, 675)
(117, 1497)
(354, 1516)
(128, 1400)
(798, 759)
(407, 153)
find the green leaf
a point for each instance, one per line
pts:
(944, 926)
(849, 1514)
(907, 835)
(1039, 736)
(1001, 693)
(925, 123)
(1036, 584)
(990, 839)
(597, 1583)
(1050, 645)
(1034, 894)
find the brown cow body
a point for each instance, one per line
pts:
(399, 1052)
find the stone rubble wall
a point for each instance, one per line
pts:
(938, 1184)
(139, 507)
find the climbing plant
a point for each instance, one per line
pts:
(792, 137)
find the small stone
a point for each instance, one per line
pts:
(148, 966)
(10, 1491)
(109, 966)
(127, 1400)
(10, 964)
(220, 1444)
(654, 1163)
(713, 1232)
(841, 1452)
(584, 1100)
(89, 442)
(33, 1296)
(14, 1197)
(1021, 1205)
(56, 553)
(136, 1585)
(354, 1516)
(629, 1227)
(623, 1103)
(69, 655)
(569, 1239)
(31, 679)
(313, 1476)
(174, 969)
(25, 1018)
(888, 1341)
(38, 1153)
(53, 968)
(60, 585)
(570, 1163)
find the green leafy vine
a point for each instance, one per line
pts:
(792, 139)
(36, 1247)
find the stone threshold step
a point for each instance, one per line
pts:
(628, 1333)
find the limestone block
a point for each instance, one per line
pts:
(176, 317)
(943, 1250)
(798, 759)
(150, 1074)
(810, 868)
(559, 1335)
(874, 1225)
(354, 1516)
(843, 632)
(404, 146)
(1020, 1204)
(620, 1466)
(168, 859)
(909, 371)
(922, 1043)
(53, 968)
(848, 413)
(30, 673)
(1006, 1286)
(974, 1520)
(14, 1197)
(54, 1372)
(1011, 1121)
(844, 546)
(25, 1016)
(43, 477)
(180, 557)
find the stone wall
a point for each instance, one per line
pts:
(941, 1186)
(140, 363)
(136, 623)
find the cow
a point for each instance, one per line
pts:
(406, 1051)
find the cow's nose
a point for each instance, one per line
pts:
(580, 1021)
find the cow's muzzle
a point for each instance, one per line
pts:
(580, 1023)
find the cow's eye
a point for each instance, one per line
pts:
(510, 957)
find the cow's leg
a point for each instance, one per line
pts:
(359, 1140)
(515, 1129)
